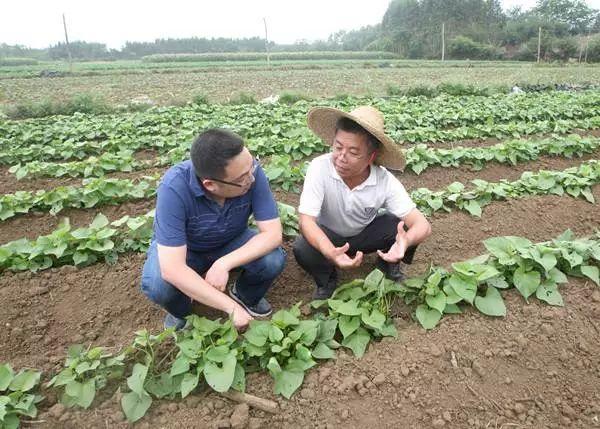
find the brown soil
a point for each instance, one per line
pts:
(436, 178)
(9, 184)
(493, 141)
(33, 225)
(536, 367)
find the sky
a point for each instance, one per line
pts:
(38, 24)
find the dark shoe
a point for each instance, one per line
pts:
(261, 309)
(325, 292)
(174, 322)
(392, 271)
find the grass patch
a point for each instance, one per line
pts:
(243, 98)
(291, 97)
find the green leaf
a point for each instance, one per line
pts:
(273, 366)
(473, 207)
(548, 292)
(100, 221)
(258, 332)
(284, 318)
(348, 324)
(591, 272)
(6, 376)
(327, 330)
(181, 365)
(357, 342)
(452, 309)
(4, 400)
(135, 405)
(287, 382)
(239, 379)
(163, 385)
(388, 330)
(275, 334)
(137, 378)
(25, 381)
(373, 280)
(464, 287)
(526, 282)
(220, 377)
(321, 351)
(557, 276)
(428, 317)
(375, 319)
(87, 394)
(437, 301)
(498, 282)
(217, 353)
(11, 421)
(491, 304)
(189, 383)
(348, 308)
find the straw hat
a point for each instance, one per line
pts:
(322, 121)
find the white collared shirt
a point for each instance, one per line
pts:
(348, 211)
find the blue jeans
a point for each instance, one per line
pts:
(253, 283)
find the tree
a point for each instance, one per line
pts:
(576, 15)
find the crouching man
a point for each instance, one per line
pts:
(201, 233)
(350, 203)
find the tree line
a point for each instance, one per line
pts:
(419, 29)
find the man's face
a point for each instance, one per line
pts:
(350, 154)
(238, 177)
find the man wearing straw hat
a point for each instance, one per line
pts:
(351, 204)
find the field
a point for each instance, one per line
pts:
(178, 83)
(506, 340)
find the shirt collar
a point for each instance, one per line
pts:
(195, 185)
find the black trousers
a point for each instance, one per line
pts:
(378, 235)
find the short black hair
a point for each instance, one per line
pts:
(350, 126)
(212, 150)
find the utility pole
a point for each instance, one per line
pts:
(443, 40)
(267, 44)
(539, 44)
(68, 47)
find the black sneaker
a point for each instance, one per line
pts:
(325, 292)
(392, 271)
(261, 309)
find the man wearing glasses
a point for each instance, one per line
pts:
(201, 229)
(349, 205)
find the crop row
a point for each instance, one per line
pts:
(87, 245)
(286, 346)
(101, 240)
(573, 181)
(274, 120)
(299, 143)
(274, 128)
(282, 170)
(93, 192)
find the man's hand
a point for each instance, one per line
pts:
(396, 252)
(218, 275)
(241, 318)
(339, 257)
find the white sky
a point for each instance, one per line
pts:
(39, 23)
